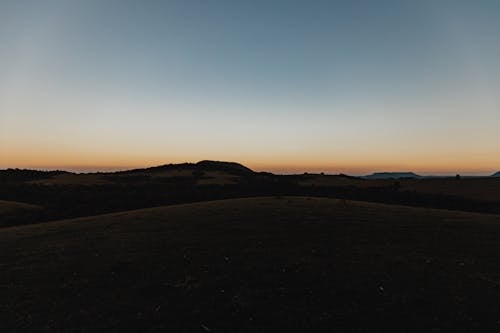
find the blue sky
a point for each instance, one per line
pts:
(338, 86)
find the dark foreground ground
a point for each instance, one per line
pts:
(250, 265)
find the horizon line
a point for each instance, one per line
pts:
(274, 169)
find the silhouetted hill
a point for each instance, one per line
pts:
(497, 174)
(27, 174)
(229, 167)
(392, 175)
(206, 165)
(62, 194)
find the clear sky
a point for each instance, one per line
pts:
(335, 86)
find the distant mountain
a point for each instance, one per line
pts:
(206, 165)
(392, 175)
(496, 174)
(229, 167)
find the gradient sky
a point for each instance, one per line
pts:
(287, 86)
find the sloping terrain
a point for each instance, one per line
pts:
(341, 181)
(257, 264)
(13, 210)
(72, 179)
(13, 207)
(203, 172)
(487, 188)
(64, 195)
(478, 189)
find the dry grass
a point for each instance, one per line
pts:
(14, 207)
(257, 264)
(72, 179)
(168, 173)
(487, 189)
(472, 188)
(319, 180)
(209, 178)
(217, 178)
(13, 210)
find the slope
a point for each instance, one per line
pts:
(290, 263)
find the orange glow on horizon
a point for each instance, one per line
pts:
(94, 157)
(91, 162)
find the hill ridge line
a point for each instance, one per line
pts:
(210, 202)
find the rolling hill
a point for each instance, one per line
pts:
(205, 169)
(13, 210)
(202, 166)
(63, 195)
(246, 265)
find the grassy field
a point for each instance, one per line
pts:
(472, 188)
(72, 179)
(14, 207)
(16, 210)
(257, 264)
(64, 195)
(329, 180)
(484, 189)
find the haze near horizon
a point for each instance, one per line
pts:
(285, 86)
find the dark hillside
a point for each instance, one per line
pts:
(62, 195)
(252, 265)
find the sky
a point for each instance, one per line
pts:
(284, 86)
